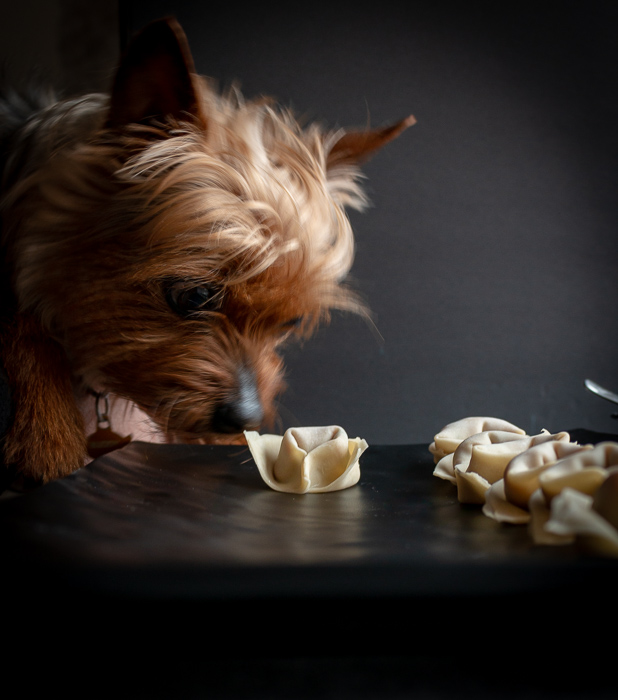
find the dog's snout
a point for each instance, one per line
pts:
(242, 410)
(235, 416)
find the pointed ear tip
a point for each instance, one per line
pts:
(169, 22)
(407, 122)
(396, 129)
(165, 29)
(155, 76)
(174, 25)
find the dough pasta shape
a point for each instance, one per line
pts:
(573, 516)
(481, 460)
(583, 471)
(308, 459)
(510, 499)
(452, 435)
(521, 478)
(562, 491)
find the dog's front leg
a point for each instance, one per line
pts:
(46, 437)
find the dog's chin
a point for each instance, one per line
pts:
(202, 432)
(206, 438)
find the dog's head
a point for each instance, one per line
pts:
(174, 253)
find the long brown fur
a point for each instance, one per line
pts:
(115, 208)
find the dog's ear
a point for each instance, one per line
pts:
(356, 147)
(155, 77)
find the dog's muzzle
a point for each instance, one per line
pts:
(242, 410)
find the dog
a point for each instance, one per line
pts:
(160, 246)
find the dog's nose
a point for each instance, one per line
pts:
(243, 410)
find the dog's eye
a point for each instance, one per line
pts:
(186, 301)
(292, 324)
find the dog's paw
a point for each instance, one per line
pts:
(38, 456)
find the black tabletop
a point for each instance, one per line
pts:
(197, 522)
(154, 538)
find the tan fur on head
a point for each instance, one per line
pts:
(176, 194)
(248, 191)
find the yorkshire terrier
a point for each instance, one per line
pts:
(160, 244)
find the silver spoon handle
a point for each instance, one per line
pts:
(601, 391)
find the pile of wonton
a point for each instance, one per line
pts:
(562, 491)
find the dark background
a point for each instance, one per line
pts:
(489, 254)
(489, 259)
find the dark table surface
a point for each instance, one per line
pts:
(179, 537)
(197, 523)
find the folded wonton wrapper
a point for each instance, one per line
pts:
(577, 500)
(584, 471)
(509, 499)
(499, 508)
(564, 491)
(574, 516)
(521, 478)
(307, 460)
(539, 515)
(453, 434)
(482, 459)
